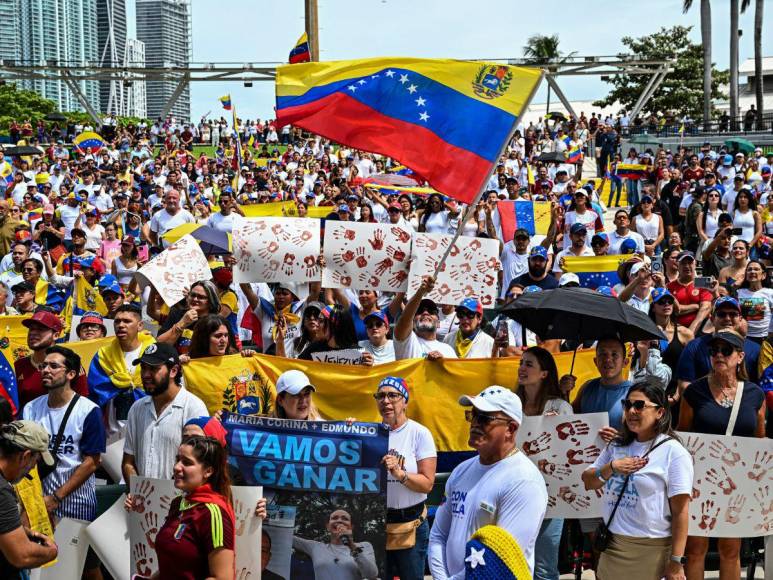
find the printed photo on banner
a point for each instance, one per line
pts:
(366, 256)
(470, 270)
(733, 486)
(175, 269)
(330, 473)
(562, 447)
(269, 249)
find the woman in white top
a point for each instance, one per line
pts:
(746, 217)
(649, 225)
(708, 219)
(654, 472)
(756, 302)
(125, 265)
(434, 218)
(540, 394)
(411, 463)
(95, 233)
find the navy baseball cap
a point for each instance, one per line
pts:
(578, 228)
(538, 252)
(724, 301)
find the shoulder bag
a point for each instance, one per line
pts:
(46, 470)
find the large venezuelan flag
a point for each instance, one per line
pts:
(445, 119)
(631, 170)
(594, 271)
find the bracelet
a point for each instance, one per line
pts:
(612, 467)
(404, 478)
(600, 476)
(56, 497)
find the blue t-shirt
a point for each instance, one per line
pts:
(597, 398)
(694, 362)
(712, 418)
(359, 323)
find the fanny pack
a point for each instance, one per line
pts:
(402, 536)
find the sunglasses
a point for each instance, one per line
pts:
(638, 405)
(392, 396)
(726, 314)
(665, 302)
(465, 314)
(723, 349)
(481, 419)
(374, 324)
(426, 310)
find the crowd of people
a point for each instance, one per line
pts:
(695, 236)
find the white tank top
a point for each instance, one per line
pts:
(648, 228)
(712, 224)
(745, 221)
(124, 274)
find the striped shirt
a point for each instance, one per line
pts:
(83, 435)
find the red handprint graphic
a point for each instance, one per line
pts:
(310, 263)
(142, 559)
(764, 500)
(398, 278)
(421, 241)
(488, 265)
(396, 254)
(693, 446)
(302, 238)
(344, 258)
(149, 526)
(271, 269)
(279, 231)
(762, 463)
(346, 234)
(403, 236)
(140, 498)
(721, 480)
(551, 501)
(709, 514)
(487, 300)
(377, 242)
(579, 456)
(270, 249)
(454, 251)
(471, 249)
(361, 261)
(549, 468)
(431, 264)
(383, 266)
(488, 280)
(570, 496)
(443, 289)
(577, 427)
(338, 278)
(538, 445)
(734, 507)
(719, 450)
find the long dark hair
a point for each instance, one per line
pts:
(209, 452)
(656, 395)
(204, 329)
(342, 328)
(427, 211)
(549, 388)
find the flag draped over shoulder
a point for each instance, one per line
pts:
(108, 374)
(447, 120)
(247, 385)
(46, 294)
(594, 271)
(300, 52)
(533, 216)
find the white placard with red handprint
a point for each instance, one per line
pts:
(271, 249)
(562, 447)
(732, 486)
(109, 536)
(470, 270)
(366, 256)
(248, 530)
(175, 269)
(151, 499)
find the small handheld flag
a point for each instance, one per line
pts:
(226, 101)
(300, 52)
(89, 142)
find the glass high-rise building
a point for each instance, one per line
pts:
(61, 32)
(165, 28)
(111, 39)
(9, 39)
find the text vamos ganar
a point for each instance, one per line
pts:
(306, 462)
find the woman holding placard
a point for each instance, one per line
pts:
(198, 537)
(647, 477)
(540, 394)
(411, 464)
(723, 403)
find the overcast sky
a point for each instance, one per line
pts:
(265, 31)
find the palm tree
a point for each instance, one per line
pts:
(543, 50)
(758, 7)
(706, 41)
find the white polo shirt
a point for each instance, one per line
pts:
(153, 440)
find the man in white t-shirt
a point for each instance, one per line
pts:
(229, 216)
(500, 486)
(578, 234)
(515, 259)
(416, 331)
(169, 218)
(469, 340)
(623, 232)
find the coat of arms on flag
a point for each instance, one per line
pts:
(492, 81)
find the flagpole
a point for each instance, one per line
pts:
(471, 207)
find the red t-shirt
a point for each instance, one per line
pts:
(686, 295)
(191, 531)
(30, 387)
(691, 174)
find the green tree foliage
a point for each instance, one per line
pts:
(682, 90)
(19, 104)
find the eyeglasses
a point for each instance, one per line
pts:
(724, 350)
(665, 302)
(472, 416)
(638, 405)
(51, 365)
(392, 396)
(201, 297)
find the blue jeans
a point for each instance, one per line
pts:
(632, 187)
(409, 564)
(546, 549)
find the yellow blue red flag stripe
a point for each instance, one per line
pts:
(89, 141)
(594, 271)
(446, 120)
(630, 170)
(225, 100)
(300, 52)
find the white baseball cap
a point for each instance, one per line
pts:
(568, 278)
(494, 398)
(293, 382)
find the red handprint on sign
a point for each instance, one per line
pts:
(488, 280)
(302, 238)
(454, 251)
(422, 241)
(149, 526)
(722, 480)
(709, 515)
(341, 280)
(377, 242)
(270, 249)
(443, 290)
(549, 468)
(140, 498)
(279, 231)
(471, 249)
(361, 261)
(142, 559)
(580, 456)
(761, 466)
(577, 427)
(764, 500)
(537, 445)
(270, 270)
(346, 234)
(397, 254)
(403, 236)
(344, 258)
(487, 300)
(398, 278)
(734, 507)
(310, 263)
(383, 266)
(719, 450)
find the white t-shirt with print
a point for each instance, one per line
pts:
(414, 442)
(644, 511)
(381, 354)
(510, 494)
(756, 307)
(416, 347)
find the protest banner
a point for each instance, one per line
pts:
(366, 256)
(562, 447)
(348, 356)
(271, 249)
(471, 269)
(109, 537)
(72, 544)
(279, 527)
(281, 209)
(331, 473)
(732, 486)
(175, 269)
(248, 531)
(151, 499)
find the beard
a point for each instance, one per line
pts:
(424, 326)
(537, 271)
(159, 388)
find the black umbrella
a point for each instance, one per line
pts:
(556, 116)
(55, 117)
(580, 314)
(22, 150)
(552, 157)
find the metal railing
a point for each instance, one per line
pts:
(719, 126)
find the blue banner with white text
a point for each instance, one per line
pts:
(326, 487)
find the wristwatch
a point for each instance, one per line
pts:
(679, 559)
